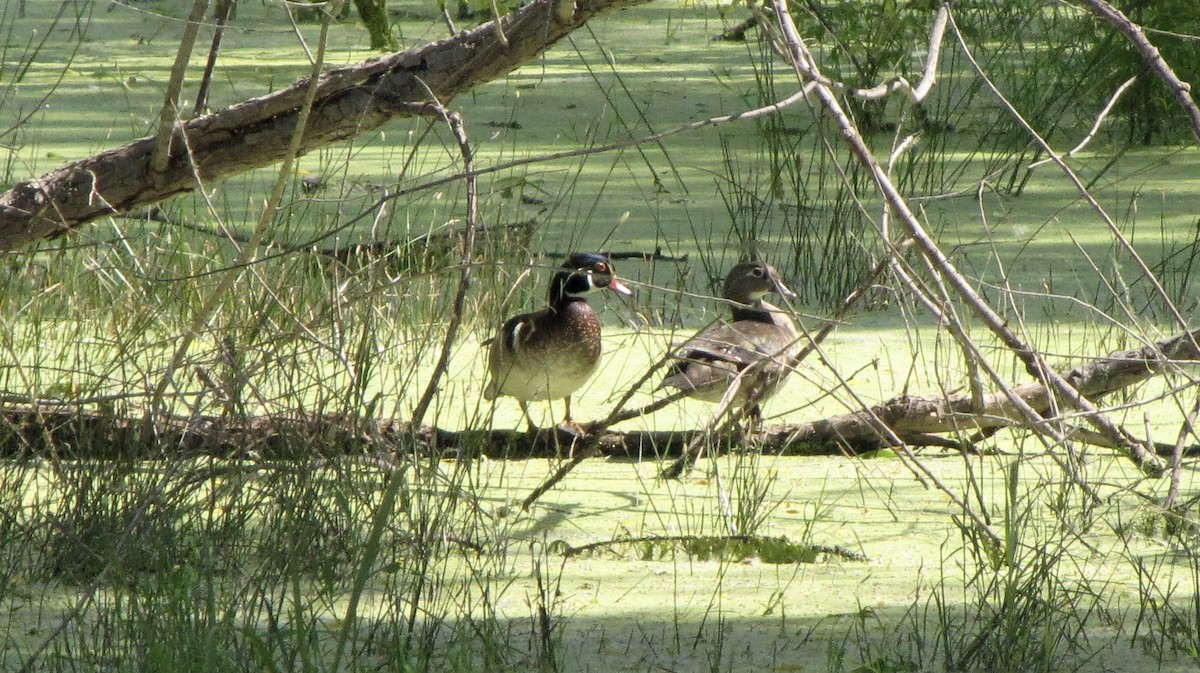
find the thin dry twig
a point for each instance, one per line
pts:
(943, 308)
(916, 94)
(724, 411)
(591, 442)
(1187, 428)
(169, 113)
(454, 121)
(1112, 101)
(806, 68)
(223, 11)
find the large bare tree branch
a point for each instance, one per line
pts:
(350, 101)
(964, 413)
(1151, 57)
(806, 68)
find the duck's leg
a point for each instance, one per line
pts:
(754, 421)
(569, 431)
(754, 416)
(569, 427)
(528, 419)
(742, 432)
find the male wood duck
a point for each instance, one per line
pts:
(760, 335)
(552, 352)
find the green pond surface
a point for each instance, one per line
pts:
(664, 587)
(626, 613)
(907, 576)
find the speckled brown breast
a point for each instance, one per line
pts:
(553, 355)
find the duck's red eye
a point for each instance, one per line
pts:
(601, 267)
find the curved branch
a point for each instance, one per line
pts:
(255, 133)
(1153, 59)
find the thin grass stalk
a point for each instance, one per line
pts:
(27, 61)
(635, 101)
(231, 275)
(455, 122)
(366, 565)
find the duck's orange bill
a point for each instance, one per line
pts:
(619, 287)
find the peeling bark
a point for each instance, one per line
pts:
(921, 421)
(255, 133)
(909, 416)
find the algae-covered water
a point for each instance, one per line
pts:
(749, 563)
(919, 589)
(899, 581)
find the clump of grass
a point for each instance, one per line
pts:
(1168, 584)
(748, 495)
(1027, 617)
(110, 517)
(1168, 614)
(240, 567)
(1019, 605)
(18, 542)
(312, 523)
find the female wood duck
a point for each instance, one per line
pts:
(552, 352)
(759, 335)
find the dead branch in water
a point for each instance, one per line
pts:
(348, 102)
(68, 430)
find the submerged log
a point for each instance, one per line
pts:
(68, 431)
(962, 414)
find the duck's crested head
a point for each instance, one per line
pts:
(747, 282)
(583, 272)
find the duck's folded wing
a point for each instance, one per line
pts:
(738, 343)
(706, 350)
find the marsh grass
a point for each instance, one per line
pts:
(252, 572)
(309, 560)
(1167, 576)
(747, 495)
(782, 196)
(1022, 606)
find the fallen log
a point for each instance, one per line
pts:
(68, 430)
(349, 101)
(961, 413)
(75, 434)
